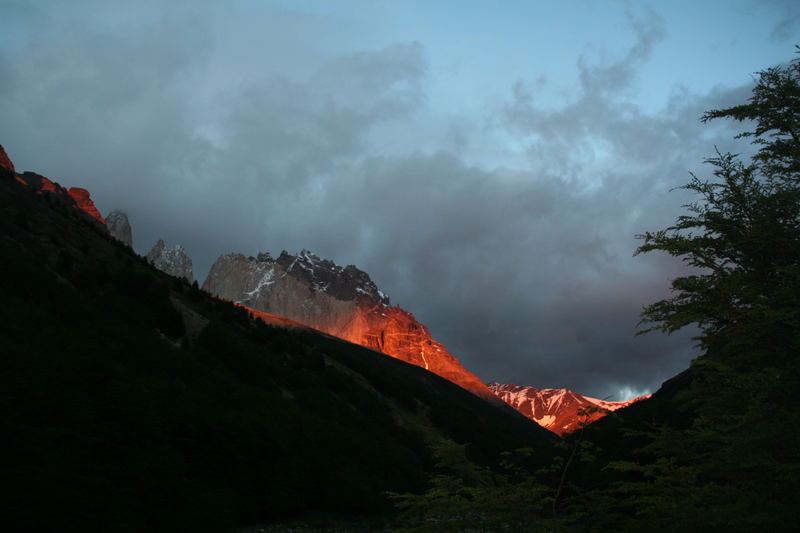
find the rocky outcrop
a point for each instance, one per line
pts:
(5, 162)
(76, 198)
(119, 227)
(84, 202)
(173, 261)
(561, 411)
(340, 301)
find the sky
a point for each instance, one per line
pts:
(489, 164)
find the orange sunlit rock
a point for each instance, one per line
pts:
(339, 301)
(269, 318)
(49, 186)
(396, 332)
(5, 162)
(85, 203)
(562, 411)
(74, 197)
(40, 184)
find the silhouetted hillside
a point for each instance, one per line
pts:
(132, 401)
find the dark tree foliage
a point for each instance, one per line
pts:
(774, 108)
(744, 233)
(736, 465)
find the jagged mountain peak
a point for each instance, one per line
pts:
(561, 411)
(341, 301)
(171, 260)
(322, 275)
(119, 226)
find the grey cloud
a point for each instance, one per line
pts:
(526, 280)
(89, 106)
(289, 131)
(528, 276)
(613, 79)
(278, 141)
(786, 26)
(525, 274)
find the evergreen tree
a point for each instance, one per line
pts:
(744, 232)
(736, 465)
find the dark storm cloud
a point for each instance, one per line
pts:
(119, 113)
(277, 142)
(524, 279)
(528, 275)
(525, 273)
(98, 106)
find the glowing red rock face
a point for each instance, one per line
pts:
(340, 301)
(562, 411)
(74, 197)
(269, 318)
(84, 202)
(396, 332)
(5, 162)
(48, 186)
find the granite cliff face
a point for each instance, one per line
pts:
(119, 227)
(340, 301)
(173, 261)
(560, 410)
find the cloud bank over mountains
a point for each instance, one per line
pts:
(508, 231)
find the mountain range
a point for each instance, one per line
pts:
(561, 411)
(346, 303)
(307, 290)
(134, 401)
(341, 301)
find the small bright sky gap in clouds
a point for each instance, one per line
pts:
(487, 163)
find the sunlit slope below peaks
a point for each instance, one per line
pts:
(340, 301)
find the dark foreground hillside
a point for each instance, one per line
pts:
(132, 401)
(717, 448)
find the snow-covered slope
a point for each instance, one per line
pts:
(559, 410)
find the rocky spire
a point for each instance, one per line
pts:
(173, 261)
(119, 227)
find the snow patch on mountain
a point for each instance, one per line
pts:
(340, 301)
(559, 410)
(171, 260)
